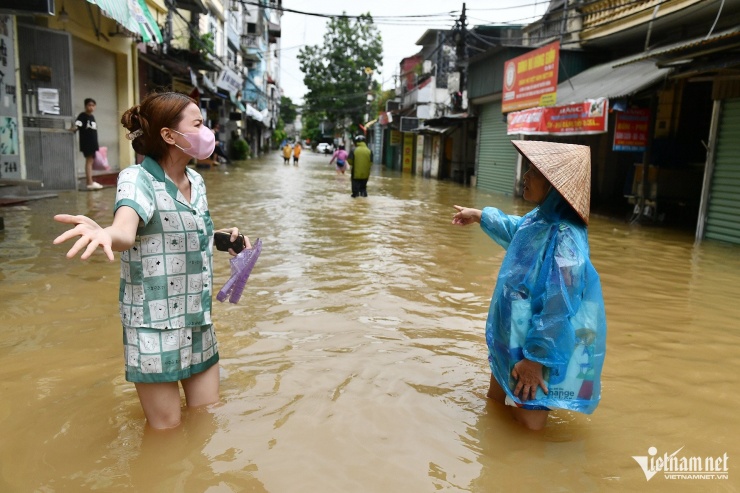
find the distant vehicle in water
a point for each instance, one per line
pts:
(325, 148)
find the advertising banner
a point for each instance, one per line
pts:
(631, 130)
(408, 152)
(10, 152)
(230, 80)
(531, 79)
(588, 117)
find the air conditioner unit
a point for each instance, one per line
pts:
(45, 7)
(392, 105)
(427, 66)
(409, 123)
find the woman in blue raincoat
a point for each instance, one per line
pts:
(546, 327)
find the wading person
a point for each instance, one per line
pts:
(287, 151)
(296, 153)
(88, 129)
(361, 161)
(341, 157)
(218, 150)
(546, 327)
(164, 230)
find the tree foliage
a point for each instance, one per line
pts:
(336, 72)
(279, 135)
(382, 98)
(311, 126)
(287, 109)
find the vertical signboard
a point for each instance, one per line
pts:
(419, 154)
(531, 79)
(631, 130)
(377, 144)
(10, 153)
(408, 152)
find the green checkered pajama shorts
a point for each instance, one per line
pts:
(168, 355)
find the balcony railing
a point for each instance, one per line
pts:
(600, 12)
(251, 41)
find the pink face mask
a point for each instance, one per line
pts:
(202, 143)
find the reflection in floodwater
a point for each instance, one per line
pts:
(356, 360)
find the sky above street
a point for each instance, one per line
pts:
(399, 34)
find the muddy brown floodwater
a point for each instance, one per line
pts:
(356, 359)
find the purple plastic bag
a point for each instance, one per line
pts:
(241, 267)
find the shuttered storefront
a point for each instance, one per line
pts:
(723, 214)
(496, 170)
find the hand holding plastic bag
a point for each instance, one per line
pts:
(241, 267)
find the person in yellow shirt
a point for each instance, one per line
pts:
(296, 153)
(287, 151)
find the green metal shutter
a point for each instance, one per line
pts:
(723, 214)
(496, 156)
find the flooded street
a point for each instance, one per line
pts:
(356, 358)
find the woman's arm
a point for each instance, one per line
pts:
(118, 237)
(465, 216)
(500, 227)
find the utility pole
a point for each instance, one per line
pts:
(168, 25)
(460, 36)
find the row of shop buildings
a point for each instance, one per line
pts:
(646, 84)
(54, 54)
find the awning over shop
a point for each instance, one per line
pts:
(253, 113)
(610, 80)
(211, 87)
(437, 130)
(273, 30)
(701, 46)
(133, 15)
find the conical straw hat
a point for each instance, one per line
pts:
(566, 166)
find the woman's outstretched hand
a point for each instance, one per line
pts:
(91, 236)
(528, 374)
(465, 216)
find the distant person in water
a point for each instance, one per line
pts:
(296, 153)
(287, 152)
(341, 157)
(361, 161)
(218, 151)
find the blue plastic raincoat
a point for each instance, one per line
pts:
(547, 305)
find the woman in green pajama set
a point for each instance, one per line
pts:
(164, 232)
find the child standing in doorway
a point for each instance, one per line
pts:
(88, 129)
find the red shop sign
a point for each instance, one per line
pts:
(531, 79)
(588, 117)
